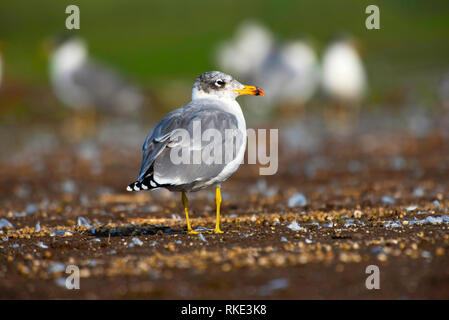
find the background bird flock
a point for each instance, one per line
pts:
(290, 71)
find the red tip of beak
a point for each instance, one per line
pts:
(259, 92)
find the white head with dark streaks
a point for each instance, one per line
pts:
(218, 85)
(69, 53)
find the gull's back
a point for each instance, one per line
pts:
(157, 164)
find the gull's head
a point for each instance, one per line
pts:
(67, 52)
(216, 84)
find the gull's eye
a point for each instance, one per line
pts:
(219, 83)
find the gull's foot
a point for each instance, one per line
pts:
(217, 230)
(192, 232)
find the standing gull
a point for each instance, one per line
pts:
(81, 83)
(212, 114)
(344, 82)
(289, 76)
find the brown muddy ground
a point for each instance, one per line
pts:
(374, 197)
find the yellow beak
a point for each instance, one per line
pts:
(250, 90)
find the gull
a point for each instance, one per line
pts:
(213, 112)
(343, 74)
(288, 72)
(289, 76)
(343, 81)
(247, 51)
(81, 83)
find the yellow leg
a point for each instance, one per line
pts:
(218, 200)
(185, 202)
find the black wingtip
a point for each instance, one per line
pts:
(138, 186)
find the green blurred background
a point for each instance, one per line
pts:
(156, 43)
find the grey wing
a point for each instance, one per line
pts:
(157, 140)
(207, 153)
(106, 88)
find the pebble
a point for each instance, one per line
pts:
(328, 225)
(40, 244)
(349, 223)
(392, 224)
(61, 282)
(377, 250)
(69, 186)
(388, 200)
(297, 200)
(295, 226)
(433, 220)
(418, 192)
(137, 242)
(83, 222)
(19, 214)
(31, 208)
(276, 284)
(202, 238)
(64, 233)
(382, 257)
(56, 267)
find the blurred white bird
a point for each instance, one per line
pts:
(249, 49)
(81, 83)
(343, 81)
(343, 74)
(443, 90)
(289, 72)
(289, 76)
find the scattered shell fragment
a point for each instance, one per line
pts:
(295, 226)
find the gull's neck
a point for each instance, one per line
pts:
(228, 104)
